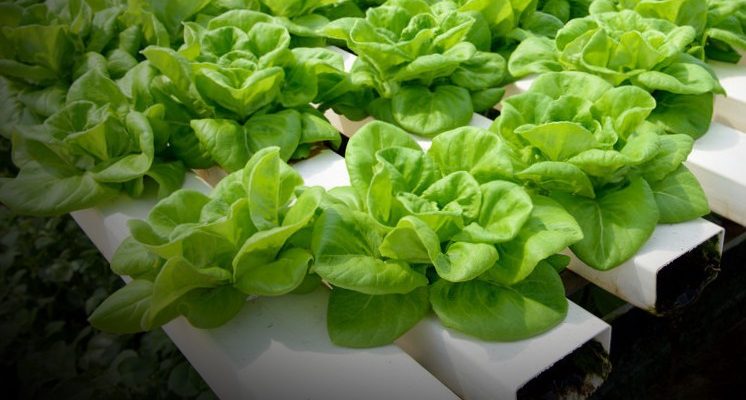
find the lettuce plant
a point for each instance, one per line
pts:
(81, 118)
(40, 41)
(44, 42)
(626, 48)
(349, 8)
(429, 77)
(441, 228)
(49, 46)
(508, 21)
(240, 88)
(93, 147)
(720, 25)
(200, 256)
(589, 146)
(564, 10)
(44, 47)
(304, 19)
(725, 33)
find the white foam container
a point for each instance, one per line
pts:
(476, 369)
(637, 280)
(730, 109)
(718, 160)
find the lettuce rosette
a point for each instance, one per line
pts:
(304, 19)
(508, 22)
(236, 86)
(77, 103)
(43, 43)
(564, 10)
(626, 48)
(45, 47)
(428, 76)
(94, 146)
(720, 25)
(201, 255)
(441, 229)
(591, 147)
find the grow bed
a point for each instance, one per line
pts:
(729, 108)
(273, 338)
(278, 347)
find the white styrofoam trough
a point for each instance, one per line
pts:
(730, 109)
(669, 270)
(718, 160)
(487, 370)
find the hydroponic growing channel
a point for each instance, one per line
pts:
(198, 145)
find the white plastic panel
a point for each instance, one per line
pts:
(719, 162)
(106, 226)
(731, 109)
(276, 348)
(488, 370)
(636, 280)
(718, 157)
(326, 169)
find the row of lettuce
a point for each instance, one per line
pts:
(415, 230)
(218, 80)
(109, 97)
(213, 81)
(98, 101)
(471, 228)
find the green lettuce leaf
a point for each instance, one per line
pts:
(548, 230)
(361, 150)
(474, 150)
(422, 111)
(363, 320)
(679, 197)
(123, 311)
(502, 313)
(345, 246)
(615, 224)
